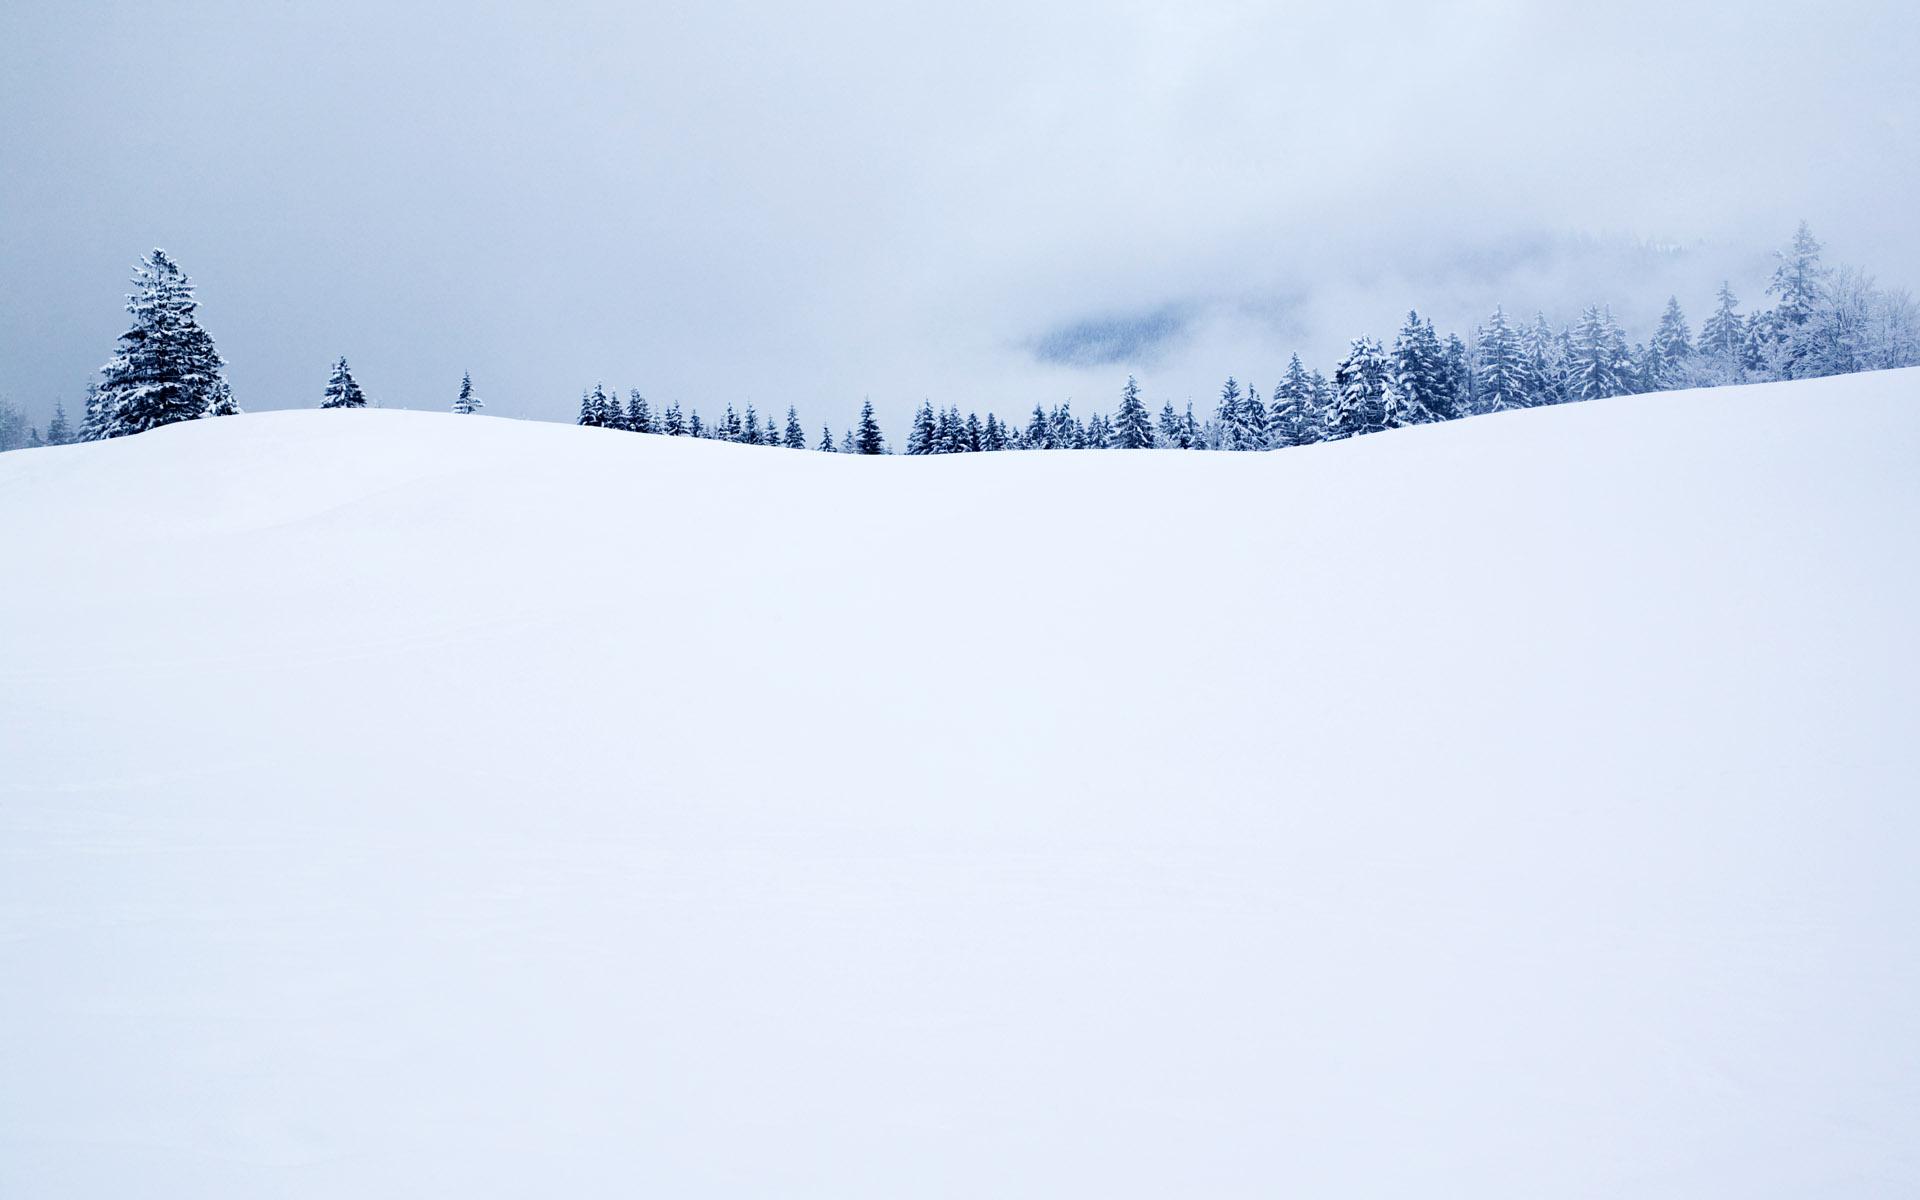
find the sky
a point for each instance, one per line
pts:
(991, 204)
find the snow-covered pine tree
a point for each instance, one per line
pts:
(466, 404)
(1253, 420)
(696, 428)
(750, 431)
(342, 391)
(1546, 359)
(166, 369)
(1723, 338)
(672, 423)
(920, 436)
(869, 440)
(949, 432)
(1503, 366)
(1039, 432)
(640, 416)
(848, 445)
(1598, 361)
(1063, 432)
(1229, 420)
(730, 429)
(1132, 427)
(1360, 385)
(796, 437)
(974, 434)
(1456, 382)
(1414, 372)
(1670, 351)
(1099, 432)
(826, 440)
(59, 430)
(1292, 420)
(1171, 427)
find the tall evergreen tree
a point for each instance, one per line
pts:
(1415, 374)
(1546, 363)
(1293, 419)
(796, 438)
(1360, 385)
(1723, 338)
(1132, 427)
(826, 440)
(1503, 366)
(1039, 431)
(166, 369)
(1230, 419)
(869, 440)
(467, 403)
(920, 435)
(1670, 351)
(672, 423)
(1598, 363)
(342, 391)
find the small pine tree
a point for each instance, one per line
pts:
(1132, 427)
(640, 417)
(59, 430)
(796, 437)
(467, 403)
(342, 391)
(672, 423)
(869, 440)
(826, 440)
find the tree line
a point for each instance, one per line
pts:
(1824, 321)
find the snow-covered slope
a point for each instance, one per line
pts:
(401, 805)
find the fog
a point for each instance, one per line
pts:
(990, 205)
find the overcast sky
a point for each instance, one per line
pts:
(988, 204)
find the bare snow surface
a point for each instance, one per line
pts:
(402, 805)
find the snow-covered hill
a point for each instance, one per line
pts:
(401, 805)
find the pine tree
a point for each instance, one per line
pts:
(750, 434)
(640, 417)
(467, 403)
(796, 437)
(1457, 385)
(1132, 427)
(994, 439)
(1598, 362)
(166, 369)
(673, 424)
(1546, 363)
(869, 440)
(1230, 421)
(1039, 432)
(826, 440)
(342, 391)
(1503, 382)
(1723, 338)
(59, 430)
(1414, 377)
(696, 428)
(920, 437)
(974, 435)
(1063, 432)
(1360, 385)
(1293, 420)
(1799, 279)
(1670, 352)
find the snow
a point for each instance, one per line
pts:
(397, 804)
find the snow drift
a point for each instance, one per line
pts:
(399, 804)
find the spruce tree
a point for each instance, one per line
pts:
(1038, 431)
(1670, 352)
(1229, 419)
(1503, 371)
(640, 417)
(869, 441)
(467, 403)
(826, 440)
(1415, 374)
(1132, 427)
(167, 369)
(1724, 336)
(59, 430)
(920, 436)
(796, 437)
(1360, 384)
(672, 423)
(342, 391)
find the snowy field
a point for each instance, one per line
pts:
(401, 805)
